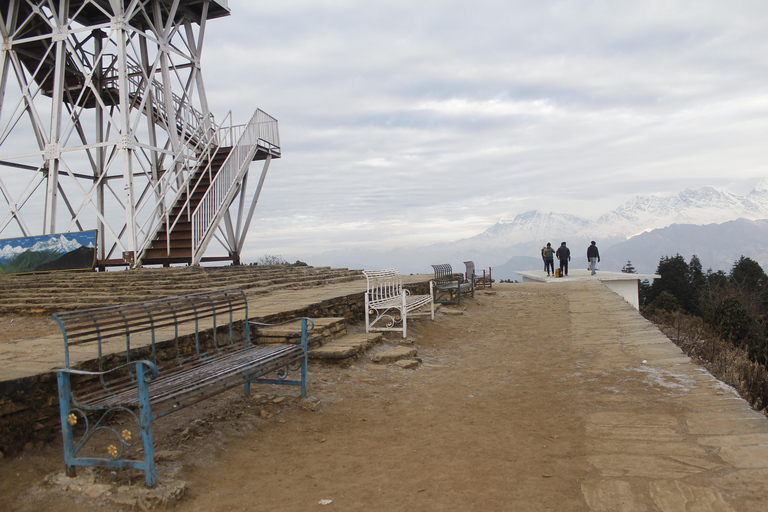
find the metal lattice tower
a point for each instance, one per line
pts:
(105, 125)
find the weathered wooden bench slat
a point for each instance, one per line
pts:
(154, 358)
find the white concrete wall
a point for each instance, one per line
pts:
(628, 289)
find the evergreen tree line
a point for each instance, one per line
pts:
(734, 305)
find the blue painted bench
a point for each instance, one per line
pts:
(148, 359)
(448, 286)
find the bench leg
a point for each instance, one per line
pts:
(145, 418)
(302, 382)
(404, 315)
(432, 304)
(66, 428)
(305, 348)
(367, 314)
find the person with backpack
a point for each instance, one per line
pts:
(564, 255)
(548, 255)
(593, 256)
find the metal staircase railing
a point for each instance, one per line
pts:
(204, 139)
(188, 121)
(261, 131)
(199, 137)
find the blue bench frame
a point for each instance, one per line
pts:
(144, 383)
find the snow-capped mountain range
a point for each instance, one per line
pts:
(706, 205)
(511, 245)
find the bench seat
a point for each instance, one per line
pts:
(181, 385)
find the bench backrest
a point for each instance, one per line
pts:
(470, 269)
(110, 330)
(383, 283)
(443, 274)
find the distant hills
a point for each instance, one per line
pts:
(716, 225)
(718, 246)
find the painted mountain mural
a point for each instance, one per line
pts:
(48, 253)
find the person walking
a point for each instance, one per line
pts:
(564, 255)
(593, 256)
(548, 255)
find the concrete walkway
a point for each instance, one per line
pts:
(688, 437)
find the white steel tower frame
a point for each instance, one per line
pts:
(104, 124)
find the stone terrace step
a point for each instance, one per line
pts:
(48, 293)
(324, 331)
(345, 347)
(328, 341)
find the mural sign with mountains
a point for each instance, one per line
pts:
(48, 253)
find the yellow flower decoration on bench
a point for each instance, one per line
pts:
(72, 419)
(126, 435)
(112, 451)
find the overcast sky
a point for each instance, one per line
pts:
(408, 122)
(404, 122)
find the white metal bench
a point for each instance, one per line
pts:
(388, 304)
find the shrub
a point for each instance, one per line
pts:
(732, 321)
(665, 301)
(271, 259)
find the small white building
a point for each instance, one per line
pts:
(626, 285)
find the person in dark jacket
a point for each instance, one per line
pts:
(564, 255)
(593, 256)
(548, 255)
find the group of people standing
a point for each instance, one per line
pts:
(563, 254)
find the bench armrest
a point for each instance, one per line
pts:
(149, 375)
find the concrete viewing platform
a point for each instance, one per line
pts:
(626, 285)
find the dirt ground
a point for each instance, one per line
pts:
(494, 419)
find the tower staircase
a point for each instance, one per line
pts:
(184, 233)
(173, 241)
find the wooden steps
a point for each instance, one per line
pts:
(175, 246)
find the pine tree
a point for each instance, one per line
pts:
(628, 268)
